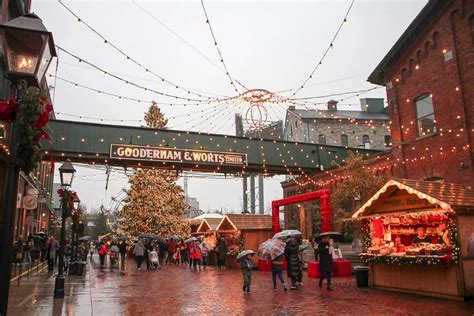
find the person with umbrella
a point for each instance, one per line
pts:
(294, 265)
(246, 266)
(325, 261)
(274, 250)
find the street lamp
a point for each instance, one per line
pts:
(66, 172)
(28, 49)
(76, 202)
(75, 226)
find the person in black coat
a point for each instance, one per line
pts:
(294, 265)
(325, 262)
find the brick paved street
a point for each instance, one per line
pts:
(177, 290)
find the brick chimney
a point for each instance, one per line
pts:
(291, 108)
(332, 105)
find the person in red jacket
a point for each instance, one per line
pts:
(103, 250)
(195, 256)
(171, 251)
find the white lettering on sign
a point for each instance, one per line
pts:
(133, 152)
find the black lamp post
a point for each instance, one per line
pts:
(66, 173)
(28, 49)
(75, 227)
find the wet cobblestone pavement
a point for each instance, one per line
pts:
(179, 291)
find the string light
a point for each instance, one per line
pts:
(133, 83)
(128, 57)
(325, 53)
(220, 53)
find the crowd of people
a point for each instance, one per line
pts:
(154, 253)
(40, 247)
(293, 255)
(193, 253)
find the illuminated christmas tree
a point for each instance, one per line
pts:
(154, 118)
(155, 202)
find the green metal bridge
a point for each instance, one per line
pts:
(129, 146)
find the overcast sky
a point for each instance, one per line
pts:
(271, 45)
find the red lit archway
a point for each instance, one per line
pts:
(325, 206)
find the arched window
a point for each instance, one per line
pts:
(344, 141)
(366, 141)
(425, 118)
(322, 139)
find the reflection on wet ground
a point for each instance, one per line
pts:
(179, 291)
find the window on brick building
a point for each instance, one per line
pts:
(344, 140)
(366, 141)
(322, 139)
(425, 118)
(387, 140)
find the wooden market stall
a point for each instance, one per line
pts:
(244, 231)
(419, 238)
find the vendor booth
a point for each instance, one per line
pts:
(243, 231)
(419, 238)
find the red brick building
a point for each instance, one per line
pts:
(429, 79)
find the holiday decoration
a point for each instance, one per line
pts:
(67, 200)
(8, 109)
(31, 116)
(155, 202)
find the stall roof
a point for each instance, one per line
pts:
(446, 195)
(208, 224)
(248, 221)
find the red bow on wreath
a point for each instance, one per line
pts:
(8, 109)
(42, 121)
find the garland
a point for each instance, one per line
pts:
(31, 117)
(404, 260)
(67, 201)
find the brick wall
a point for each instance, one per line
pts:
(440, 64)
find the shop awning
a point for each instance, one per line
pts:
(446, 196)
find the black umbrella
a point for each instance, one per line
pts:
(335, 236)
(40, 234)
(159, 238)
(147, 236)
(122, 238)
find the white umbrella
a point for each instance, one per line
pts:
(287, 233)
(190, 240)
(243, 253)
